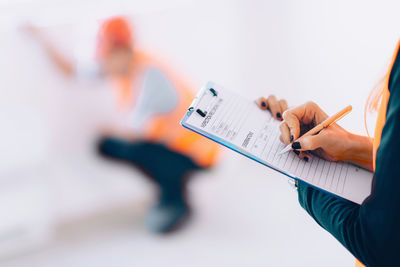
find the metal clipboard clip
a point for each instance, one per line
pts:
(214, 94)
(204, 96)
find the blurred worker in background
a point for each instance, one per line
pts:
(150, 101)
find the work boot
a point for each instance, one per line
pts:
(166, 216)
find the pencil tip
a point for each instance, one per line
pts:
(286, 149)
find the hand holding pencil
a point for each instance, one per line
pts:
(307, 128)
(319, 127)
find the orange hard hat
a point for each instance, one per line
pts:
(115, 32)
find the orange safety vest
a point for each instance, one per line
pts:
(381, 119)
(166, 128)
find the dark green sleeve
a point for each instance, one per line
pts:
(371, 232)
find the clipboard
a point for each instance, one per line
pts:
(212, 114)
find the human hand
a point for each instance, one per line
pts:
(332, 143)
(275, 106)
(31, 29)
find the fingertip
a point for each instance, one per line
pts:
(262, 103)
(296, 145)
(306, 156)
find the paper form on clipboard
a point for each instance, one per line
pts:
(237, 123)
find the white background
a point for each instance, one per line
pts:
(77, 210)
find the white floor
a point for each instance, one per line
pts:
(244, 214)
(241, 218)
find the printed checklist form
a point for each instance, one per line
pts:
(237, 123)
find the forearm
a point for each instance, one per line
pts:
(359, 151)
(340, 218)
(63, 63)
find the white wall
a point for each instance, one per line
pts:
(331, 52)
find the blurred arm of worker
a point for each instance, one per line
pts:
(64, 64)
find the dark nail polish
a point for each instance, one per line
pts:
(291, 138)
(296, 145)
(278, 115)
(263, 104)
(306, 159)
(297, 152)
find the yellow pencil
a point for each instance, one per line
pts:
(326, 123)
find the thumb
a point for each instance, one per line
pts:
(311, 142)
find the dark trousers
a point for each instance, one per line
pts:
(168, 168)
